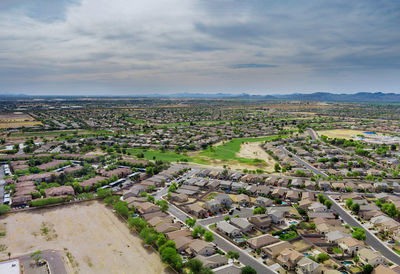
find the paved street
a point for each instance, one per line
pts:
(371, 240)
(2, 184)
(53, 257)
(222, 243)
(312, 133)
(302, 162)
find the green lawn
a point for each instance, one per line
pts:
(337, 250)
(228, 150)
(225, 152)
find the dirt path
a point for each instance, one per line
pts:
(91, 237)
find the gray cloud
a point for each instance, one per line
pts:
(151, 46)
(256, 66)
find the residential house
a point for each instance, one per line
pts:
(200, 247)
(212, 205)
(307, 266)
(335, 236)
(273, 250)
(278, 193)
(261, 221)
(243, 224)
(182, 242)
(147, 207)
(289, 258)
(196, 210)
(317, 207)
(228, 229)
(293, 195)
(368, 256)
(212, 261)
(261, 241)
(179, 197)
(305, 203)
(381, 269)
(278, 214)
(224, 200)
(176, 234)
(243, 199)
(59, 191)
(350, 245)
(134, 191)
(262, 201)
(167, 227)
(324, 185)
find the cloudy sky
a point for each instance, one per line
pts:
(120, 47)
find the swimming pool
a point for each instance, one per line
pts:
(293, 222)
(347, 263)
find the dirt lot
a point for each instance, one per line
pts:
(254, 151)
(15, 120)
(341, 133)
(91, 237)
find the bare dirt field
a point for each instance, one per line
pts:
(341, 133)
(89, 235)
(254, 151)
(15, 120)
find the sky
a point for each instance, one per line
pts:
(132, 47)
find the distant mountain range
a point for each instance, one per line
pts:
(366, 97)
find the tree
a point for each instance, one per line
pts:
(355, 208)
(111, 199)
(349, 202)
(248, 270)
(4, 209)
(206, 271)
(190, 222)
(170, 256)
(208, 236)
(198, 231)
(161, 239)
(322, 257)
(390, 209)
(195, 265)
(321, 198)
(234, 255)
(328, 204)
(169, 243)
(102, 193)
(137, 223)
(277, 167)
(150, 198)
(227, 218)
(122, 208)
(259, 210)
(358, 233)
(367, 269)
(163, 204)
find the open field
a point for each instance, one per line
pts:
(254, 151)
(241, 153)
(90, 236)
(341, 133)
(17, 120)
